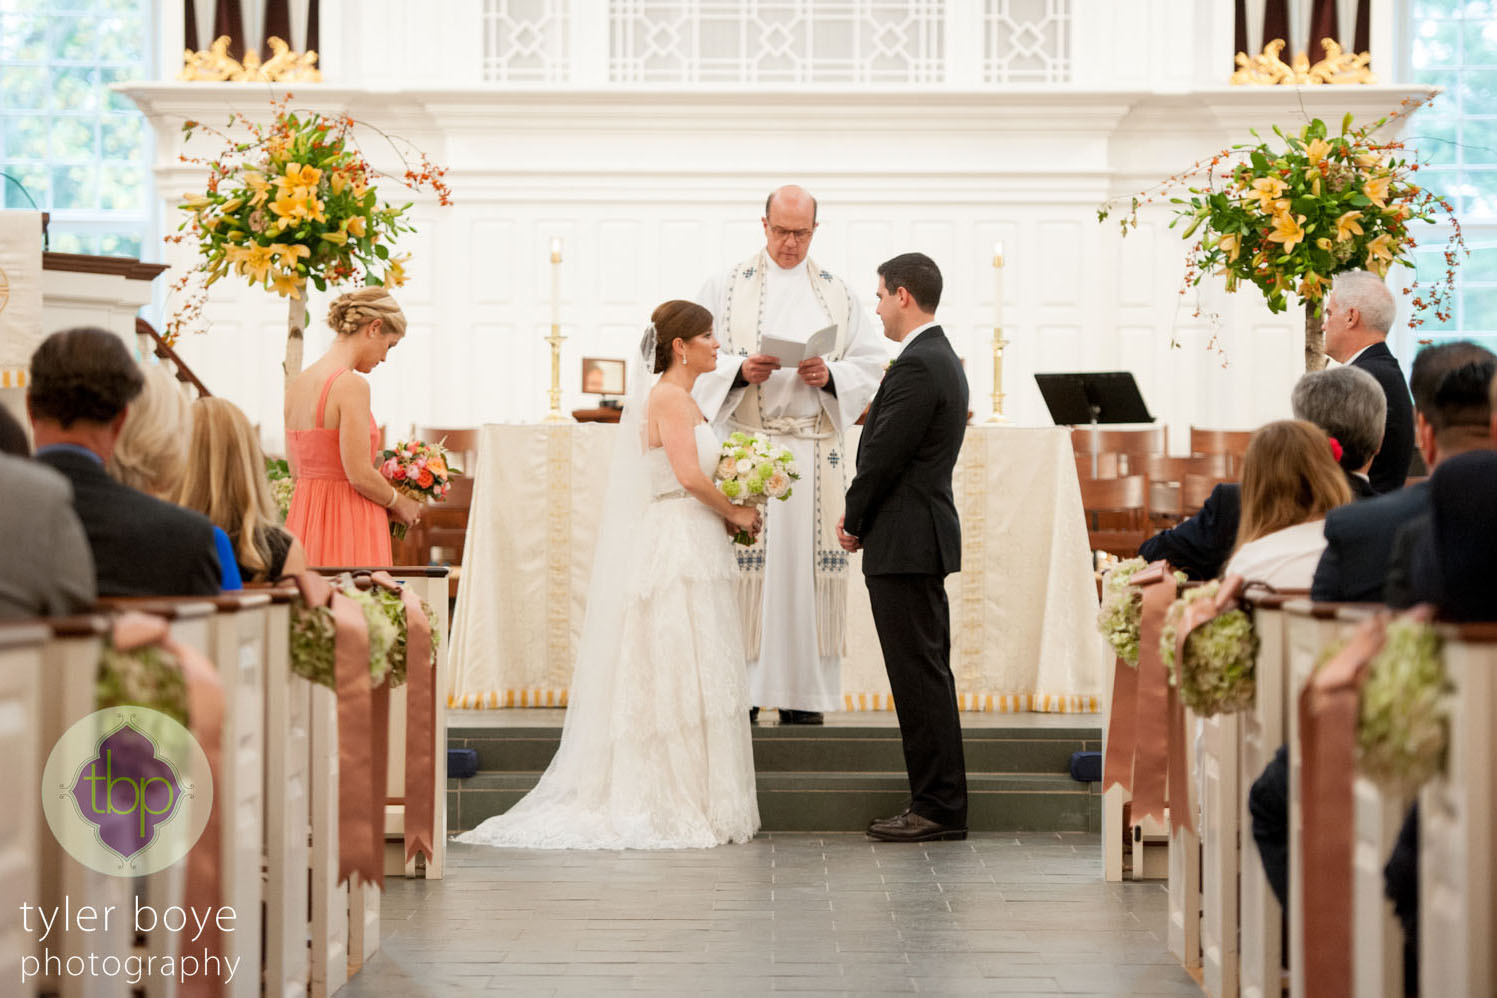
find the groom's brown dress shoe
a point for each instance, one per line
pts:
(788, 716)
(911, 827)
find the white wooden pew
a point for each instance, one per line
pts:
(1185, 865)
(329, 928)
(1458, 829)
(22, 646)
(1261, 730)
(1221, 801)
(71, 662)
(288, 705)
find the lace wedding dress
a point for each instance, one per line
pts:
(655, 752)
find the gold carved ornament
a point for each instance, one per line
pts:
(216, 65)
(1267, 69)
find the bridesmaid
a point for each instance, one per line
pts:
(341, 507)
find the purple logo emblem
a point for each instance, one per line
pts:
(126, 791)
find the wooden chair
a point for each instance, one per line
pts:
(1195, 490)
(1117, 513)
(1129, 444)
(1108, 466)
(1233, 443)
(444, 525)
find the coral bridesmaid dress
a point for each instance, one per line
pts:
(336, 524)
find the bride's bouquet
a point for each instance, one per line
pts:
(420, 471)
(750, 472)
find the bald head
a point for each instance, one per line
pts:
(789, 224)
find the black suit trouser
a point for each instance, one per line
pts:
(914, 628)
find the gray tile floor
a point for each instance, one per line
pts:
(812, 914)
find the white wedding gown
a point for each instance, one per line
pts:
(656, 751)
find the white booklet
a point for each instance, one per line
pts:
(790, 352)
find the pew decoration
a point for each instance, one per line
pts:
(313, 635)
(1122, 608)
(147, 676)
(1403, 730)
(392, 604)
(1209, 647)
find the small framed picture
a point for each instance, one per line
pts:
(602, 376)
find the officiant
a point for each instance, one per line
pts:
(793, 582)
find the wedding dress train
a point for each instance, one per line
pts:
(656, 751)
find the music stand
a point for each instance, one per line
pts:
(1093, 397)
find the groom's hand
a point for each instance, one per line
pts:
(757, 368)
(848, 541)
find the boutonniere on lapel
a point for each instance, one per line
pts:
(889, 366)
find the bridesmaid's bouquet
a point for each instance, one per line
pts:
(420, 471)
(750, 472)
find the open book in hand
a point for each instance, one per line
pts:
(790, 351)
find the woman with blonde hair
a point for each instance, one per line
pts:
(151, 454)
(1290, 480)
(226, 482)
(341, 507)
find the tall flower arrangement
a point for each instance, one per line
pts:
(1287, 216)
(295, 202)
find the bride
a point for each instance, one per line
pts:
(655, 750)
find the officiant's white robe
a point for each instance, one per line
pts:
(791, 669)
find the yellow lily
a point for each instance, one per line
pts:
(288, 285)
(287, 255)
(290, 203)
(1287, 231)
(195, 201)
(339, 181)
(395, 274)
(300, 175)
(257, 182)
(1380, 254)
(336, 238)
(231, 206)
(1317, 150)
(356, 226)
(1231, 244)
(1267, 189)
(1369, 161)
(1348, 225)
(254, 263)
(359, 189)
(1324, 243)
(1376, 190)
(1309, 288)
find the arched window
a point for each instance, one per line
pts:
(72, 146)
(1453, 44)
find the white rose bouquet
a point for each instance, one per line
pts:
(750, 472)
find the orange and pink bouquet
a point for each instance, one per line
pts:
(419, 470)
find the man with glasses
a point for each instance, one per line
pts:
(793, 581)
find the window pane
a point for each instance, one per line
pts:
(75, 39)
(23, 86)
(35, 181)
(25, 138)
(121, 137)
(121, 188)
(73, 88)
(75, 187)
(73, 139)
(119, 244)
(1482, 266)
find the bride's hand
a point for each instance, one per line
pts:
(745, 518)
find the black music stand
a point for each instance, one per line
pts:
(1093, 397)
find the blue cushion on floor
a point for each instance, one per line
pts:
(462, 762)
(1086, 767)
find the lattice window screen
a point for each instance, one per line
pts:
(526, 40)
(1027, 41)
(777, 41)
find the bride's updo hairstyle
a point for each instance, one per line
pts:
(677, 320)
(356, 309)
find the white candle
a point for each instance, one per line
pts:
(556, 282)
(997, 286)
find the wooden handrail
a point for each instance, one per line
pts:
(166, 353)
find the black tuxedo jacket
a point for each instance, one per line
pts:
(1391, 466)
(1452, 566)
(141, 545)
(900, 503)
(1359, 545)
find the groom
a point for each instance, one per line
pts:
(901, 513)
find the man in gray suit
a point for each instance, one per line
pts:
(46, 570)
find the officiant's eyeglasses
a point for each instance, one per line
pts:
(799, 235)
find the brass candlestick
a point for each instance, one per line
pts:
(998, 341)
(555, 415)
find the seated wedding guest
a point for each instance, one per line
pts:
(12, 435)
(226, 481)
(82, 383)
(151, 453)
(342, 508)
(1451, 416)
(1342, 401)
(47, 570)
(1290, 480)
(1358, 313)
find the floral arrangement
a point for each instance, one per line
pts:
(1402, 729)
(1286, 217)
(313, 635)
(282, 485)
(1217, 672)
(419, 471)
(393, 608)
(1122, 606)
(294, 202)
(148, 676)
(750, 472)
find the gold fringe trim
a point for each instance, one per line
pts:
(751, 611)
(831, 615)
(989, 703)
(14, 377)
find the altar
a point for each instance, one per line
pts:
(1023, 609)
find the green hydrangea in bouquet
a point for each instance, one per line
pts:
(751, 471)
(1218, 672)
(1402, 727)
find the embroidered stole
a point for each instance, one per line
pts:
(742, 324)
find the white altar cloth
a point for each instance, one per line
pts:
(1023, 609)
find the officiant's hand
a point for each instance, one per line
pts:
(848, 541)
(814, 372)
(757, 368)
